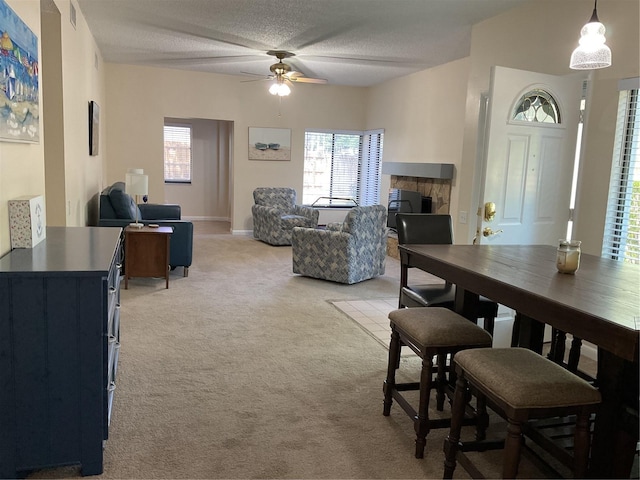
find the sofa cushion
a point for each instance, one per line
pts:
(123, 204)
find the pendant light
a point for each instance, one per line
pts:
(592, 52)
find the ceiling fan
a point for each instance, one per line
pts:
(283, 75)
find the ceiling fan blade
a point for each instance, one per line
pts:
(204, 60)
(321, 81)
(257, 75)
(299, 77)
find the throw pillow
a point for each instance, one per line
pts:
(124, 205)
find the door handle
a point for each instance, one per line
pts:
(489, 212)
(488, 232)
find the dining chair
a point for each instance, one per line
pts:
(433, 229)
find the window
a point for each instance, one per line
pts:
(537, 106)
(622, 225)
(177, 153)
(342, 166)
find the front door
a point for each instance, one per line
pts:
(532, 123)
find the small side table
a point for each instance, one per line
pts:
(146, 252)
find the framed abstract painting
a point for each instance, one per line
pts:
(19, 79)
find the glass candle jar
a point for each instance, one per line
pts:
(568, 256)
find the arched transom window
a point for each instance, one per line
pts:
(537, 106)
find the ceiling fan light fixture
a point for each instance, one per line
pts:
(592, 52)
(279, 88)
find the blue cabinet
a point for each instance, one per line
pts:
(59, 344)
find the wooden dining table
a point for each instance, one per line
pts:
(599, 304)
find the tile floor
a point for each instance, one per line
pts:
(371, 315)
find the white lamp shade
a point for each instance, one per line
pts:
(279, 88)
(136, 184)
(592, 52)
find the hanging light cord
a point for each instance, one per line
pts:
(594, 17)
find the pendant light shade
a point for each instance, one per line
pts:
(592, 52)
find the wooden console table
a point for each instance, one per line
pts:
(146, 253)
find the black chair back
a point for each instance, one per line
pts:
(424, 228)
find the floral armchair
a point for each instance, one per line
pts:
(348, 252)
(275, 214)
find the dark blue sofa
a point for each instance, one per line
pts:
(117, 209)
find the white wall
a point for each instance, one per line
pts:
(433, 115)
(83, 81)
(21, 164)
(139, 99)
(423, 115)
(546, 47)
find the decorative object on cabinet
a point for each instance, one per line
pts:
(59, 345)
(20, 95)
(269, 144)
(27, 221)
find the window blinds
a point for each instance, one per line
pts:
(177, 153)
(622, 224)
(342, 165)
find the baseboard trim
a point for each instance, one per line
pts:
(204, 219)
(242, 232)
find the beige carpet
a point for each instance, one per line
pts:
(245, 370)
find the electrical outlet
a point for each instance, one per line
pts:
(462, 217)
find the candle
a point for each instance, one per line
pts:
(568, 256)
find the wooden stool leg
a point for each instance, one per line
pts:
(512, 447)
(453, 439)
(556, 353)
(421, 422)
(394, 362)
(581, 446)
(441, 382)
(574, 354)
(489, 324)
(482, 417)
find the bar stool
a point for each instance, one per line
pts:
(429, 332)
(433, 229)
(522, 385)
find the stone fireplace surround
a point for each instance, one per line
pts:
(431, 180)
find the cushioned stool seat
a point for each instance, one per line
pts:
(429, 332)
(522, 385)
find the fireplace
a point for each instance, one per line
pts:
(428, 179)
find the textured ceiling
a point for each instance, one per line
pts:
(347, 42)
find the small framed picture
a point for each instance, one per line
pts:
(269, 144)
(94, 128)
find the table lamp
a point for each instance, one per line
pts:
(136, 183)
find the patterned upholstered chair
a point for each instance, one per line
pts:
(348, 252)
(275, 213)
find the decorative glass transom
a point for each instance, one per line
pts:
(537, 106)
